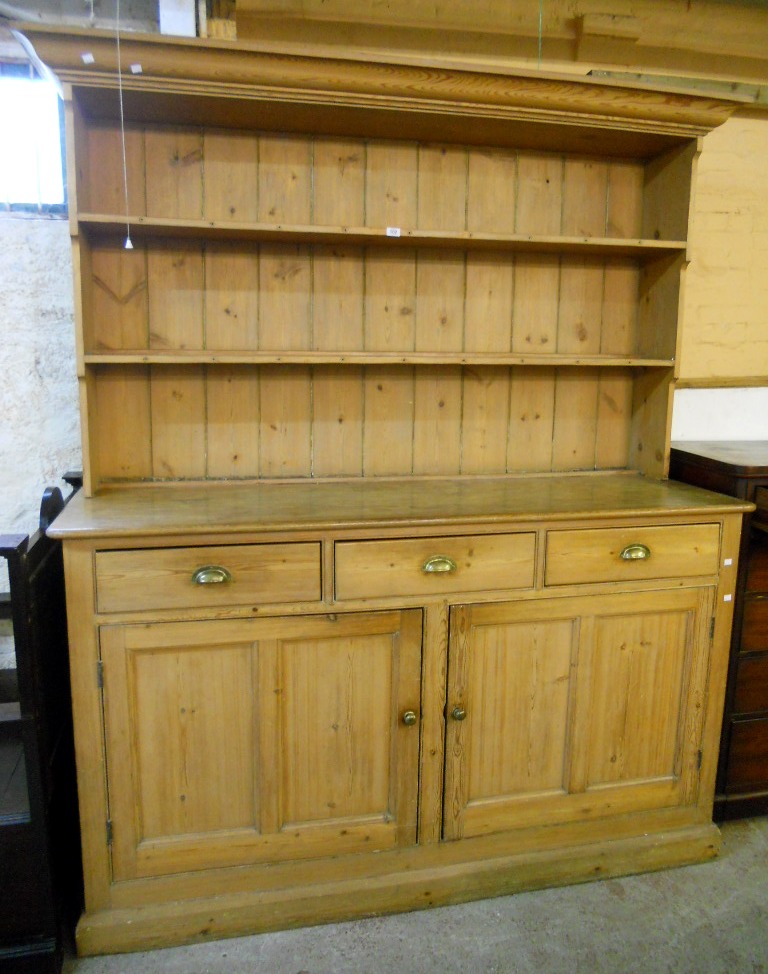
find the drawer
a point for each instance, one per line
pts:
(747, 756)
(751, 685)
(754, 627)
(604, 554)
(171, 578)
(757, 563)
(433, 566)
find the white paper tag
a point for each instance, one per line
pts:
(87, 58)
(393, 231)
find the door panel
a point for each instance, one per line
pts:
(511, 671)
(575, 708)
(257, 740)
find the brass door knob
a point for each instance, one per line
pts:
(458, 713)
(409, 718)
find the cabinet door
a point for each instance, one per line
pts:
(569, 709)
(258, 740)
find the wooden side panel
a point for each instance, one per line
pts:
(650, 429)
(658, 307)
(667, 194)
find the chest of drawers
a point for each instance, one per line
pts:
(741, 470)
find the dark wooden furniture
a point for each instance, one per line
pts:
(40, 875)
(741, 470)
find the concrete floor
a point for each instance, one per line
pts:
(706, 919)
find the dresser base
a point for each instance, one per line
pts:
(239, 914)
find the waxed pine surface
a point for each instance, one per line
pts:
(703, 919)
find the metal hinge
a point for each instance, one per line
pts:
(712, 628)
(100, 674)
(699, 759)
(109, 831)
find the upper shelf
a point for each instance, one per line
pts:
(142, 227)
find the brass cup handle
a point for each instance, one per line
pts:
(458, 713)
(438, 565)
(211, 575)
(635, 552)
(409, 718)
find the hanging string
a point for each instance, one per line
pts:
(128, 244)
(541, 28)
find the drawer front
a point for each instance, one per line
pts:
(606, 554)
(757, 564)
(748, 756)
(754, 629)
(751, 685)
(433, 566)
(177, 578)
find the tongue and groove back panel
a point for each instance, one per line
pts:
(269, 324)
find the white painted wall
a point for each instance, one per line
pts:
(39, 433)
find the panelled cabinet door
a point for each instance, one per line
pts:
(574, 708)
(242, 741)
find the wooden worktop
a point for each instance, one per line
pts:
(232, 507)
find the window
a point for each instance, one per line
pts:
(31, 166)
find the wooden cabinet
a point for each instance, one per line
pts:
(741, 470)
(375, 414)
